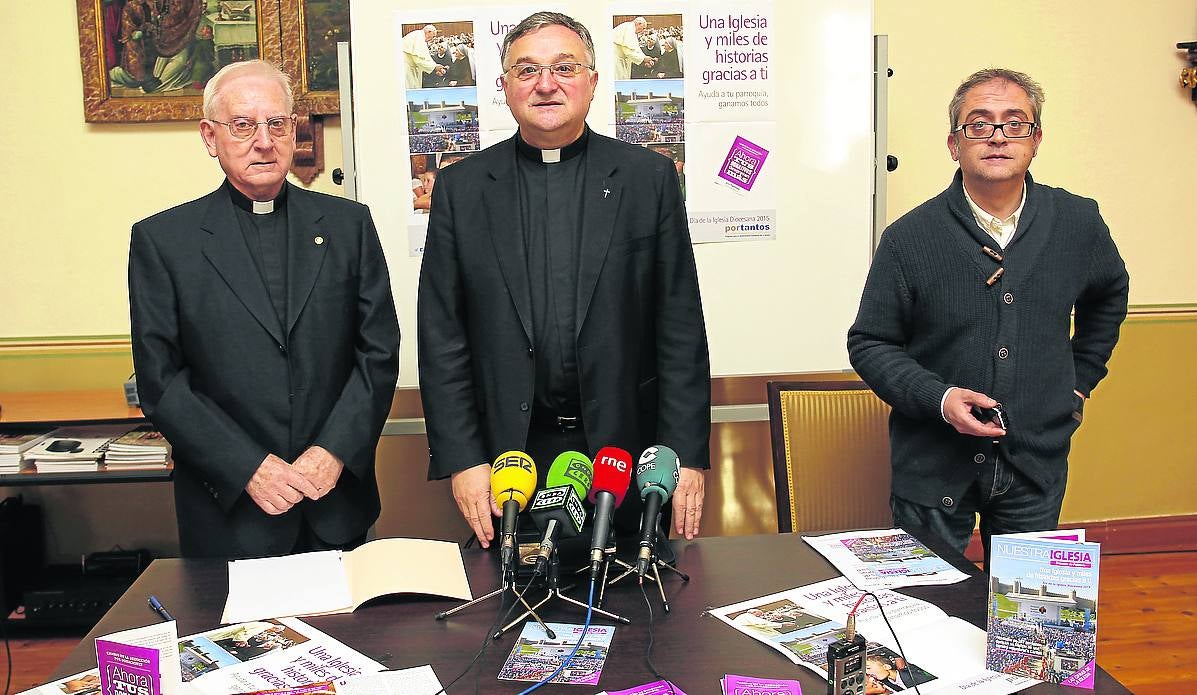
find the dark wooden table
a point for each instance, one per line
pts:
(692, 649)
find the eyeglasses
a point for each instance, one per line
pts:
(980, 130)
(559, 71)
(246, 128)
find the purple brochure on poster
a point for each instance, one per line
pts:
(654, 688)
(128, 670)
(743, 685)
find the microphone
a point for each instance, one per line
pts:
(557, 509)
(657, 473)
(612, 474)
(512, 480)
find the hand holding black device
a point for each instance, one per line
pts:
(996, 415)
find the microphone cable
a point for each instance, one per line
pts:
(901, 652)
(503, 616)
(577, 645)
(648, 652)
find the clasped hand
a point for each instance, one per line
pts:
(277, 486)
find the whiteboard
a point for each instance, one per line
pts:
(776, 306)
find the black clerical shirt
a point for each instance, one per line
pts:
(266, 237)
(551, 211)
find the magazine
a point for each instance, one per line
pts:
(535, 655)
(409, 681)
(942, 654)
(243, 658)
(885, 559)
(654, 688)
(265, 654)
(1043, 607)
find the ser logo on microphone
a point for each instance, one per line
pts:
(513, 462)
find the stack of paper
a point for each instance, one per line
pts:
(14, 443)
(143, 447)
(74, 449)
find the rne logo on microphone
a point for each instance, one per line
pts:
(617, 464)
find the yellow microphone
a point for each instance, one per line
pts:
(512, 482)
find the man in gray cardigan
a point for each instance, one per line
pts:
(968, 305)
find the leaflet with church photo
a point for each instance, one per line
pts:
(884, 559)
(941, 654)
(1043, 607)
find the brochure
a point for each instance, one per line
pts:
(535, 655)
(409, 681)
(265, 654)
(335, 581)
(654, 688)
(140, 661)
(744, 685)
(942, 654)
(1043, 607)
(885, 559)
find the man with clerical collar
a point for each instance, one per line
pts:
(558, 301)
(264, 338)
(967, 309)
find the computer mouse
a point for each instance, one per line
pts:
(68, 446)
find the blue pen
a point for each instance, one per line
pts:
(159, 608)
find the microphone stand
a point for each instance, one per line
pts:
(654, 563)
(554, 582)
(508, 583)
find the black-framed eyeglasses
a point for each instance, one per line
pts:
(560, 71)
(246, 128)
(980, 130)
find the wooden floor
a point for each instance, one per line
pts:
(1146, 611)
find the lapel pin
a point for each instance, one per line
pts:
(319, 240)
(606, 192)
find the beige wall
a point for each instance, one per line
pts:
(1117, 126)
(71, 190)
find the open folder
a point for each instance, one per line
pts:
(334, 581)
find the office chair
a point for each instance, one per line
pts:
(831, 463)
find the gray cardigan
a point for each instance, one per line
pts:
(928, 321)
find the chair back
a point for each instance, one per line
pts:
(831, 464)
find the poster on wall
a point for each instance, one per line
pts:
(692, 82)
(449, 62)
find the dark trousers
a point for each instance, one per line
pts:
(308, 541)
(1006, 500)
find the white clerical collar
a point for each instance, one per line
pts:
(550, 156)
(263, 207)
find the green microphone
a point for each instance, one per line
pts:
(557, 509)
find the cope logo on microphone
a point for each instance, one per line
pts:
(512, 462)
(550, 497)
(648, 461)
(617, 464)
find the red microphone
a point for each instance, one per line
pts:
(612, 475)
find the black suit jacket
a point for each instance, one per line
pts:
(227, 383)
(641, 342)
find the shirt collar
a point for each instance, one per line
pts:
(984, 219)
(257, 207)
(570, 151)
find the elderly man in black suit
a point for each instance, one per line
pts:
(265, 339)
(558, 300)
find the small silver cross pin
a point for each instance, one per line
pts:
(606, 192)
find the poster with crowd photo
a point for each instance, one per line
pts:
(692, 82)
(448, 60)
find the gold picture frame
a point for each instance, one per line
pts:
(124, 81)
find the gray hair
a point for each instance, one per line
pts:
(1031, 87)
(261, 68)
(539, 20)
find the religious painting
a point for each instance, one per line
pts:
(149, 60)
(311, 30)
